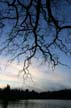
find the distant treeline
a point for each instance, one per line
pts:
(17, 94)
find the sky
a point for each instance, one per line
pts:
(44, 78)
(41, 77)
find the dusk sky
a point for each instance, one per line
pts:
(42, 77)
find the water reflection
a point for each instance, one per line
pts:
(4, 104)
(26, 104)
(36, 104)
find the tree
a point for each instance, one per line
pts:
(32, 28)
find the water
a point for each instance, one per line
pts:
(36, 104)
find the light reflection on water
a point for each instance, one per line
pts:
(36, 104)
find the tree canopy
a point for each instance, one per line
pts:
(35, 27)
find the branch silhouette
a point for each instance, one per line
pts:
(33, 27)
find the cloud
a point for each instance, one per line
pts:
(43, 76)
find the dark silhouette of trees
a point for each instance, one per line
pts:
(35, 28)
(7, 89)
(7, 95)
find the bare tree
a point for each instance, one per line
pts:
(32, 28)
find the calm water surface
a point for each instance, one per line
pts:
(36, 104)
